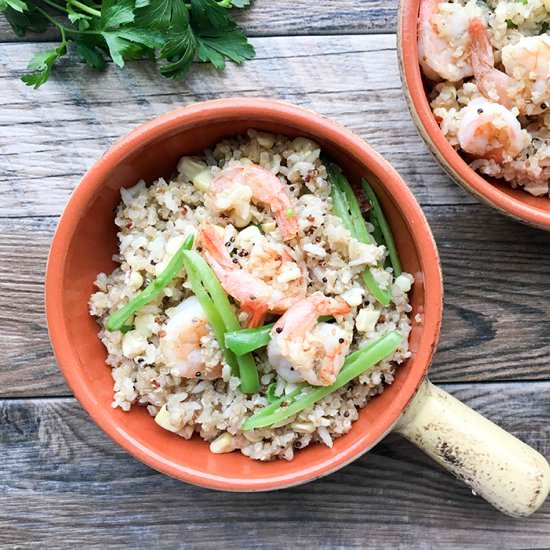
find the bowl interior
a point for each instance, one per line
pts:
(86, 241)
(514, 202)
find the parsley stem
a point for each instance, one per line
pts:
(85, 8)
(55, 5)
(62, 28)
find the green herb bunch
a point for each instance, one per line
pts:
(176, 32)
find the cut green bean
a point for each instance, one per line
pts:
(246, 340)
(346, 207)
(385, 229)
(117, 320)
(305, 396)
(248, 373)
(212, 314)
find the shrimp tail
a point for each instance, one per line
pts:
(256, 313)
(492, 83)
(215, 246)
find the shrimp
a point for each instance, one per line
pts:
(489, 130)
(234, 188)
(180, 343)
(443, 42)
(256, 297)
(492, 83)
(302, 349)
(528, 62)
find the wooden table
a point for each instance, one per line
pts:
(63, 483)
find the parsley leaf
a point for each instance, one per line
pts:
(545, 27)
(17, 5)
(116, 12)
(232, 45)
(41, 65)
(91, 55)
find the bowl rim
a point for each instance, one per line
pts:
(449, 159)
(302, 119)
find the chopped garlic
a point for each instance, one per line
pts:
(161, 266)
(353, 296)
(363, 254)
(315, 250)
(189, 167)
(162, 418)
(303, 427)
(144, 324)
(222, 444)
(203, 180)
(135, 280)
(266, 140)
(366, 319)
(133, 344)
(290, 273)
(404, 282)
(268, 227)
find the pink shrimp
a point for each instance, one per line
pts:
(527, 63)
(443, 44)
(180, 343)
(302, 349)
(234, 188)
(492, 83)
(256, 297)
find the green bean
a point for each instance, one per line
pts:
(305, 396)
(346, 207)
(118, 319)
(212, 314)
(247, 368)
(246, 340)
(378, 214)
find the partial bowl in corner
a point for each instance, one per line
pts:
(515, 203)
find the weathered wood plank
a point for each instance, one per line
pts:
(286, 17)
(497, 304)
(51, 136)
(53, 493)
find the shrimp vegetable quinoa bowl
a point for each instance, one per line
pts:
(253, 303)
(487, 65)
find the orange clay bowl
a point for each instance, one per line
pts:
(85, 241)
(516, 203)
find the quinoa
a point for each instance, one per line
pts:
(152, 222)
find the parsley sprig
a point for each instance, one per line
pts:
(176, 32)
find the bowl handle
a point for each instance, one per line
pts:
(506, 472)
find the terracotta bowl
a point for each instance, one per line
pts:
(86, 240)
(516, 203)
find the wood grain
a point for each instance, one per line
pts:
(51, 136)
(65, 484)
(497, 304)
(286, 18)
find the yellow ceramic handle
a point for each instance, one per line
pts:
(506, 472)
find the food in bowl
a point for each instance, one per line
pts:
(253, 304)
(488, 71)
